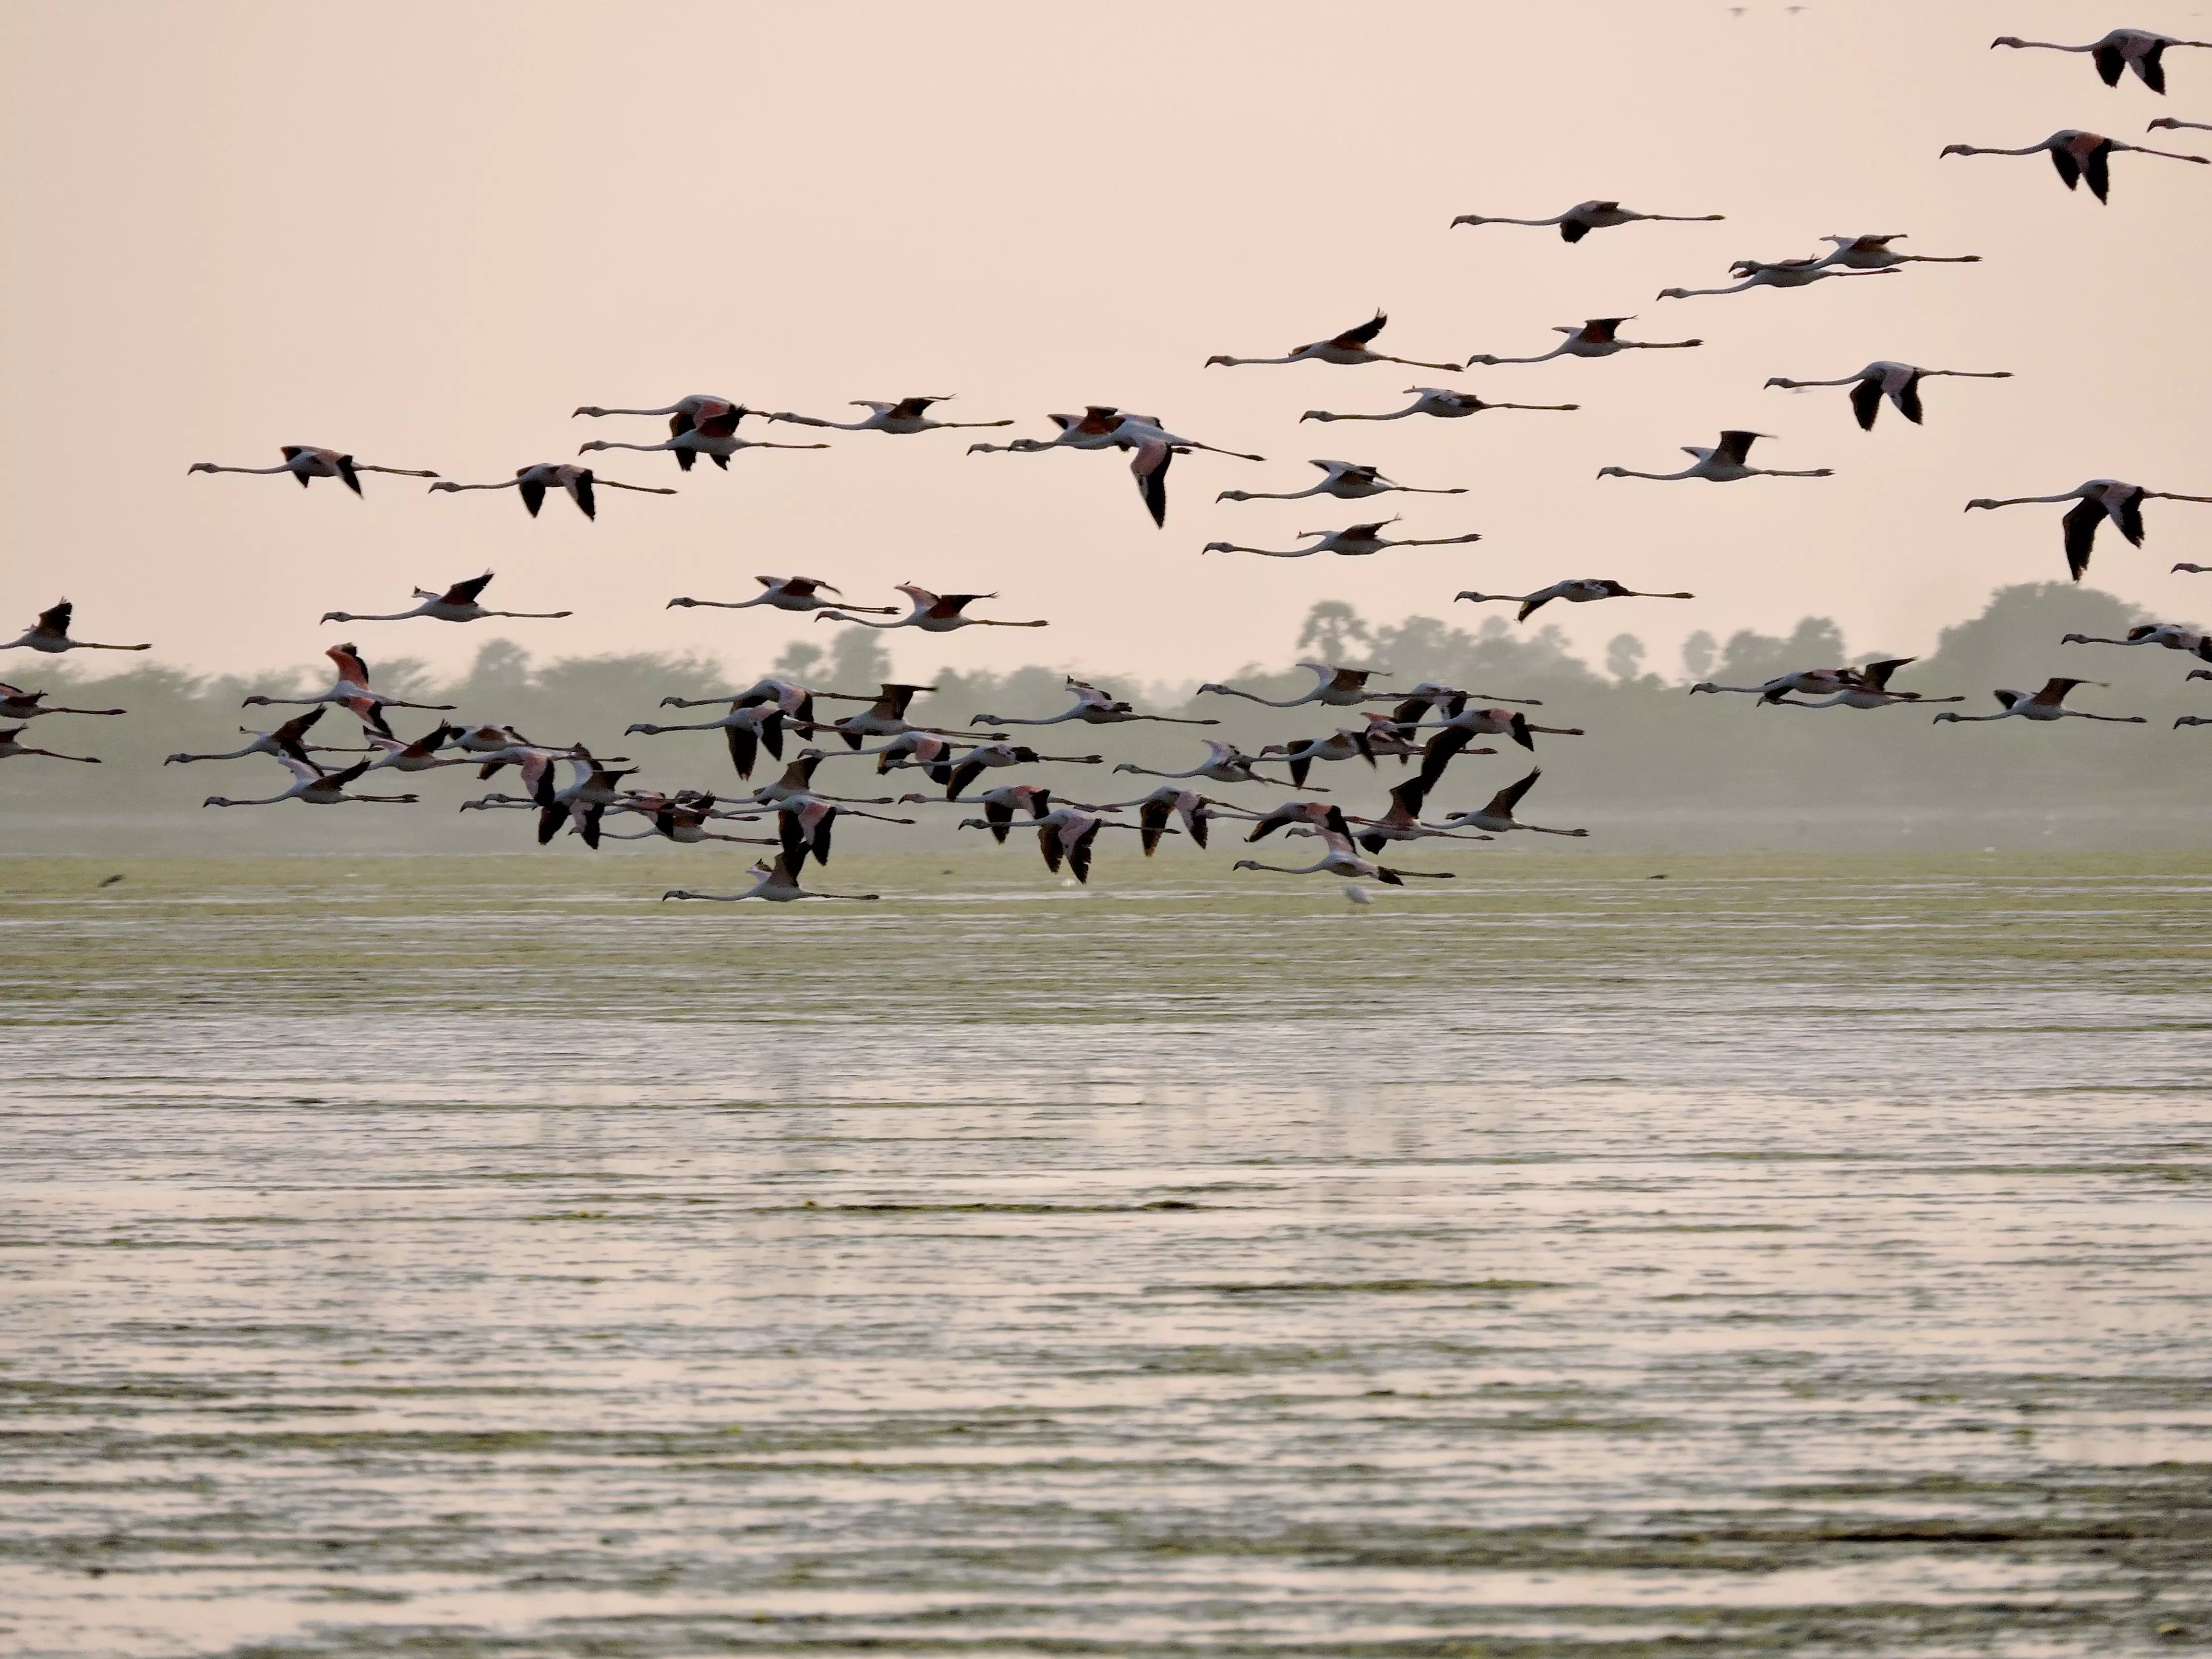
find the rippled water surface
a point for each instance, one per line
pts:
(474, 1257)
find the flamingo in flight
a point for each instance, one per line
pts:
(2173, 637)
(702, 412)
(1579, 589)
(1348, 348)
(1333, 685)
(50, 635)
(306, 461)
(1354, 541)
(1462, 725)
(1064, 833)
(12, 746)
(1166, 802)
(1866, 688)
(1101, 426)
(1000, 805)
(933, 613)
(2098, 500)
(458, 604)
(316, 787)
(1401, 822)
(1813, 681)
(2169, 124)
(581, 483)
(1898, 382)
(1093, 707)
(2046, 705)
(717, 447)
(1342, 859)
(1724, 463)
(1224, 764)
(1599, 336)
(1780, 273)
(18, 706)
(985, 756)
(748, 729)
(352, 690)
(1872, 252)
(901, 419)
(684, 823)
(1442, 403)
(398, 755)
(803, 822)
(2115, 53)
(789, 594)
(1578, 220)
(2077, 155)
(886, 717)
(1496, 816)
(289, 739)
(777, 884)
(1345, 480)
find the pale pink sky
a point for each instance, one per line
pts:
(424, 232)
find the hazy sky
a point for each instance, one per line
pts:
(425, 233)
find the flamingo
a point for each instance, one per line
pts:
(1443, 403)
(2192, 569)
(748, 729)
(2172, 635)
(580, 482)
(789, 594)
(1345, 480)
(2048, 704)
(886, 717)
(19, 705)
(289, 739)
(1724, 463)
(1000, 805)
(2167, 123)
(315, 788)
(583, 803)
(11, 745)
(1333, 685)
(1224, 764)
(2077, 155)
(1348, 347)
(1354, 541)
(458, 604)
(687, 448)
(1101, 426)
(2100, 500)
(1342, 745)
(1874, 252)
(1898, 382)
(1341, 859)
(1402, 823)
(1597, 337)
(1781, 273)
(777, 884)
(1093, 707)
(1578, 220)
(1497, 817)
(684, 822)
(2114, 54)
(933, 613)
(1579, 589)
(352, 690)
(306, 461)
(50, 634)
(1462, 725)
(901, 419)
(797, 781)
(985, 756)
(1867, 688)
(1166, 802)
(1065, 832)
(702, 412)
(796, 701)
(1813, 681)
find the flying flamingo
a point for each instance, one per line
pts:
(1154, 811)
(701, 412)
(1334, 685)
(1724, 463)
(1579, 589)
(1000, 805)
(1093, 707)
(1813, 681)
(749, 728)
(933, 613)
(985, 756)
(797, 781)
(1354, 541)
(2172, 635)
(1874, 252)
(2193, 569)
(687, 448)
(796, 701)
(1345, 480)
(352, 690)
(580, 482)
(777, 883)
(1224, 764)
(886, 716)
(2116, 52)
(1348, 347)
(1101, 426)
(11, 745)
(901, 419)
(2167, 123)
(789, 594)
(1597, 337)
(804, 821)
(422, 755)
(2048, 704)
(1342, 745)
(1341, 860)
(1402, 823)
(50, 634)
(458, 604)
(1578, 220)
(583, 803)
(289, 739)
(1463, 725)
(1867, 688)
(2100, 500)
(1443, 403)
(1781, 273)
(1898, 382)
(19, 705)
(684, 822)
(2077, 155)
(305, 461)
(1065, 832)
(1497, 817)
(315, 788)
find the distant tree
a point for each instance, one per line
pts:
(1624, 657)
(797, 658)
(1699, 652)
(858, 661)
(2015, 641)
(1748, 658)
(1332, 629)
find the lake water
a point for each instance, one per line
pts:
(472, 1256)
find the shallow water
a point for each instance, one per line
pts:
(472, 1256)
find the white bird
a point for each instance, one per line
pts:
(458, 604)
(2167, 123)
(1872, 252)
(289, 739)
(50, 634)
(1497, 817)
(352, 690)
(11, 746)
(1578, 220)
(18, 706)
(2077, 155)
(314, 788)
(581, 483)
(1865, 688)
(1065, 833)
(747, 728)
(1342, 860)
(1579, 589)
(1898, 382)
(684, 823)
(2100, 501)
(1597, 337)
(1402, 823)
(901, 419)
(1442, 403)
(1813, 681)
(1225, 764)
(1781, 273)
(1101, 426)
(2116, 52)
(777, 883)
(398, 755)
(886, 717)
(1348, 348)
(716, 447)
(702, 412)
(1333, 685)
(2048, 704)
(1345, 480)
(306, 461)
(789, 594)
(1724, 463)
(933, 613)
(583, 803)
(1166, 802)
(1093, 707)
(1354, 541)
(804, 821)
(2171, 636)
